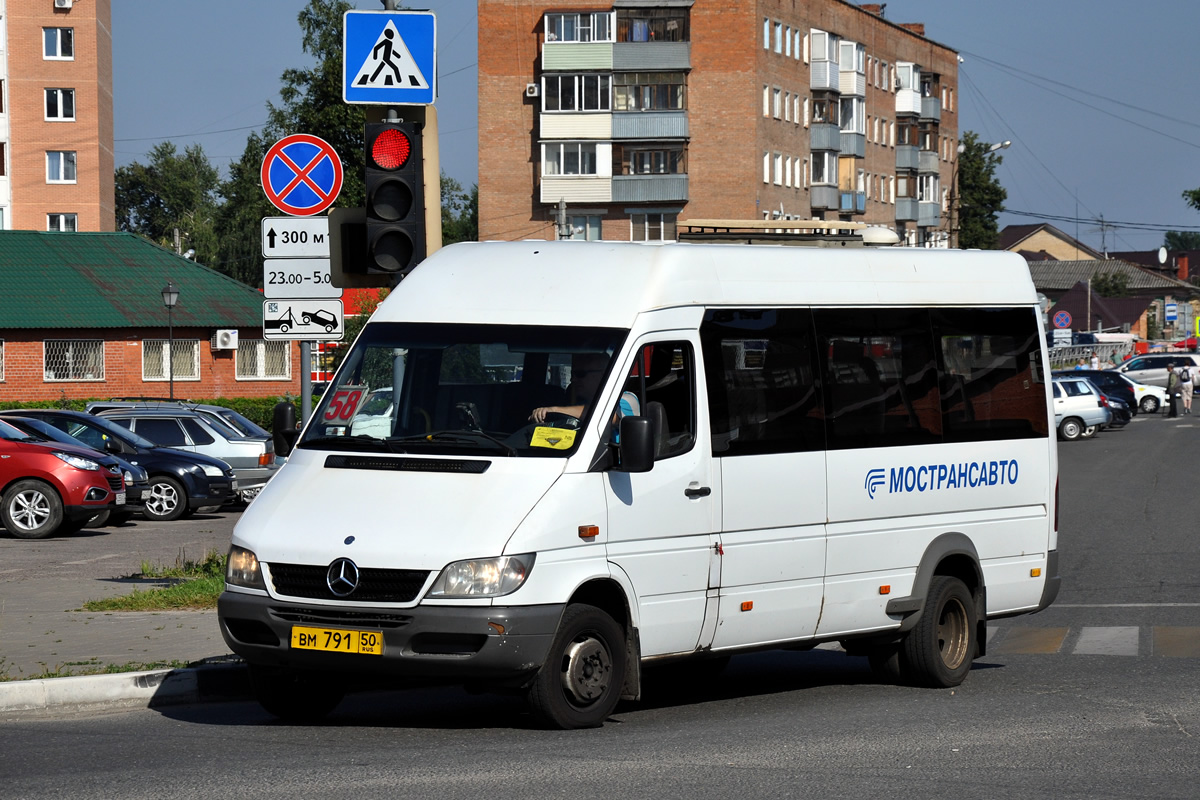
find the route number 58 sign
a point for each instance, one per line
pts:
(344, 403)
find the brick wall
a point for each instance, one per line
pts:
(91, 197)
(23, 373)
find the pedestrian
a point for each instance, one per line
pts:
(1173, 384)
(1095, 362)
(1081, 365)
(1187, 385)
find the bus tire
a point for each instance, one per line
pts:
(295, 695)
(938, 651)
(1070, 429)
(580, 683)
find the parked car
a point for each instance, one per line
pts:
(180, 482)
(1152, 367)
(1078, 406)
(1138, 396)
(252, 459)
(374, 416)
(49, 487)
(137, 480)
(240, 423)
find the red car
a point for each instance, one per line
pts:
(48, 488)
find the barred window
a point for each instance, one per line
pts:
(73, 360)
(185, 360)
(260, 359)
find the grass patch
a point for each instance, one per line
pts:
(192, 585)
(74, 669)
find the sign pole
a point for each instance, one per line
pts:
(305, 380)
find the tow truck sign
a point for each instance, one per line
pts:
(314, 320)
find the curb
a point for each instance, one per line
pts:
(151, 688)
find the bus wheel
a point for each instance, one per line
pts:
(295, 695)
(938, 651)
(580, 683)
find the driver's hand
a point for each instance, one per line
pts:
(539, 414)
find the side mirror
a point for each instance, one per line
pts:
(635, 453)
(111, 445)
(283, 428)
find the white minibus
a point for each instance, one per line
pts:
(602, 456)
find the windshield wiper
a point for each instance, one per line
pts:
(352, 442)
(461, 436)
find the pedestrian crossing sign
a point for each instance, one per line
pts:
(389, 57)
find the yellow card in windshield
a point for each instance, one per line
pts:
(554, 438)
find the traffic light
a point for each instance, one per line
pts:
(395, 197)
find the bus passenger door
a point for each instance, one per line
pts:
(660, 522)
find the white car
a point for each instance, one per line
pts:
(1078, 407)
(374, 417)
(1149, 398)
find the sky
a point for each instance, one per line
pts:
(1095, 95)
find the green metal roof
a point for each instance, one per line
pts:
(112, 280)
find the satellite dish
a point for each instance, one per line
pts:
(1162, 255)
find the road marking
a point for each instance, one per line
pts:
(1030, 640)
(1111, 641)
(1176, 641)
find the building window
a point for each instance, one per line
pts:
(585, 228)
(58, 44)
(905, 186)
(799, 173)
(596, 27)
(854, 115)
(652, 227)
(651, 159)
(906, 133)
(777, 102)
(766, 33)
(185, 360)
(787, 41)
(652, 25)
(778, 37)
(1, 359)
(67, 223)
(766, 167)
(73, 360)
(60, 166)
(824, 168)
(3, 161)
(1, 95)
(778, 169)
(650, 91)
(576, 93)
(825, 110)
(928, 188)
(60, 105)
(259, 359)
(787, 106)
(569, 158)
(766, 100)
(787, 172)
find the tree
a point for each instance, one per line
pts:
(460, 212)
(1192, 196)
(1110, 284)
(980, 195)
(172, 191)
(1182, 240)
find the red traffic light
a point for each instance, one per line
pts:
(390, 149)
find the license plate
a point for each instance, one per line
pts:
(233, 486)
(120, 498)
(337, 640)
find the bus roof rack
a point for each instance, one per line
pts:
(799, 232)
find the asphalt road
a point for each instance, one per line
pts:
(1095, 697)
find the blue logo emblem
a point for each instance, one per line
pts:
(875, 479)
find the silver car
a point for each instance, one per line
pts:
(1078, 407)
(252, 458)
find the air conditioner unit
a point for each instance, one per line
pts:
(225, 339)
(531, 90)
(63, 3)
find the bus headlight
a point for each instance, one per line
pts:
(483, 577)
(243, 569)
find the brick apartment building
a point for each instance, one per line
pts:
(56, 115)
(636, 114)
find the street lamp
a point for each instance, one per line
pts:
(170, 296)
(954, 196)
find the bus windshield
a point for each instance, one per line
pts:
(499, 390)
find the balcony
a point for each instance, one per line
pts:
(908, 101)
(824, 136)
(906, 156)
(825, 197)
(929, 215)
(648, 125)
(854, 83)
(576, 189)
(931, 108)
(575, 126)
(906, 209)
(651, 56)
(853, 144)
(649, 188)
(853, 203)
(927, 161)
(824, 75)
(577, 56)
